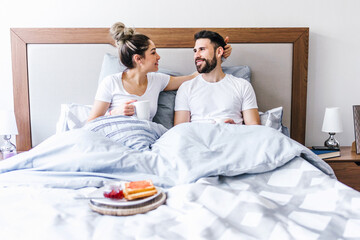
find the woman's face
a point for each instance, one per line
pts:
(150, 62)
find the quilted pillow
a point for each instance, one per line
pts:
(72, 116)
(128, 131)
(273, 118)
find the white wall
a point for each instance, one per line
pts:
(333, 52)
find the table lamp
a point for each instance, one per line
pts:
(332, 124)
(7, 128)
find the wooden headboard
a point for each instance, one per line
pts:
(163, 38)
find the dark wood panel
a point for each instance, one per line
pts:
(21, 91)
(347, 173)
(184, 37)
(299, 87)
(163, 37)
(63, 35)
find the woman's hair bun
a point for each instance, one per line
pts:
(120, 33)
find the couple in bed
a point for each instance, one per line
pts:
(207, 95)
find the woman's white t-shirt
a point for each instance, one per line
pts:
(208, 101)
(111, 90)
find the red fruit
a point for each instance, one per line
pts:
(114, 194)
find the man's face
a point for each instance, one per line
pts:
(204, 55)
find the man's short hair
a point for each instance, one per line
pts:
(214, 38)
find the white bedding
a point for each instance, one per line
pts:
(222, 182)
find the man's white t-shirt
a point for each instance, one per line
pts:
(208, 101)
(111, 90)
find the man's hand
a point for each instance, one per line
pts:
(229, 120)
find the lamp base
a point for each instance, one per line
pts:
(331, 142)
(8, 149)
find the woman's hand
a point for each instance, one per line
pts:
(227, 49)
(125, 108)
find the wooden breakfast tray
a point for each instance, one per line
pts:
(128, 210)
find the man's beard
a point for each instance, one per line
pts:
(209, 65)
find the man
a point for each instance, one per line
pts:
(214, 96)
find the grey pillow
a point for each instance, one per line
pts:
(165, 111)
(166, 104)
(241, 71)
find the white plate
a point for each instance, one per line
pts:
(99, 198)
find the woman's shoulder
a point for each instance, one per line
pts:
(159, 79)
(113, 78)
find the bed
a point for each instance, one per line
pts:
(220, 181)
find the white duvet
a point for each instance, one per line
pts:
(222, 182)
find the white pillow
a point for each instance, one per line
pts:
(72, 116)
(273, 118)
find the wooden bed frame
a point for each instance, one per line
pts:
(163, 38)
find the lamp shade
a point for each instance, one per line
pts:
(332, 121)
(8, 123)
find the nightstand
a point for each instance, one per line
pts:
(346, 167)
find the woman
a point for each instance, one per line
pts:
(140, 81)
